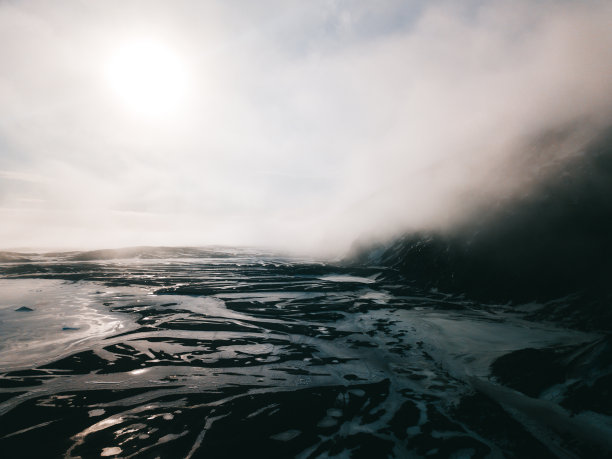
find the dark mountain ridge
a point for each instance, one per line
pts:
(552, 240)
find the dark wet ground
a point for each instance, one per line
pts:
(217, 353)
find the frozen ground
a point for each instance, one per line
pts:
(234, 353)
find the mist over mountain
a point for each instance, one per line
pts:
(550, 239)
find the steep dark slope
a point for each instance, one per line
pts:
(552, 240)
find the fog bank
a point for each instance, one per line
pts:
(305, 126)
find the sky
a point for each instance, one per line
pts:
(286, 124)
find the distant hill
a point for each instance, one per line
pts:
(141, 252)
(14, 257)
(146, 252)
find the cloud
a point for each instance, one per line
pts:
(307, 124)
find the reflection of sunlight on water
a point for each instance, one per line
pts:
(63, 317)
(348, 278)
(139, 371)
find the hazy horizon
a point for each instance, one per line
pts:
(288, 228)
(289, 125)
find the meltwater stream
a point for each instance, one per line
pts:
(225, 353)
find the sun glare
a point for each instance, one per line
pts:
(148, 77)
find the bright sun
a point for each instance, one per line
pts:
(148, 77)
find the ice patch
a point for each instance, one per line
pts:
(111, 451)
(347, 278)
(286, 436)
(61, 319)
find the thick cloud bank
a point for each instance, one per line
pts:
(307, 124)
